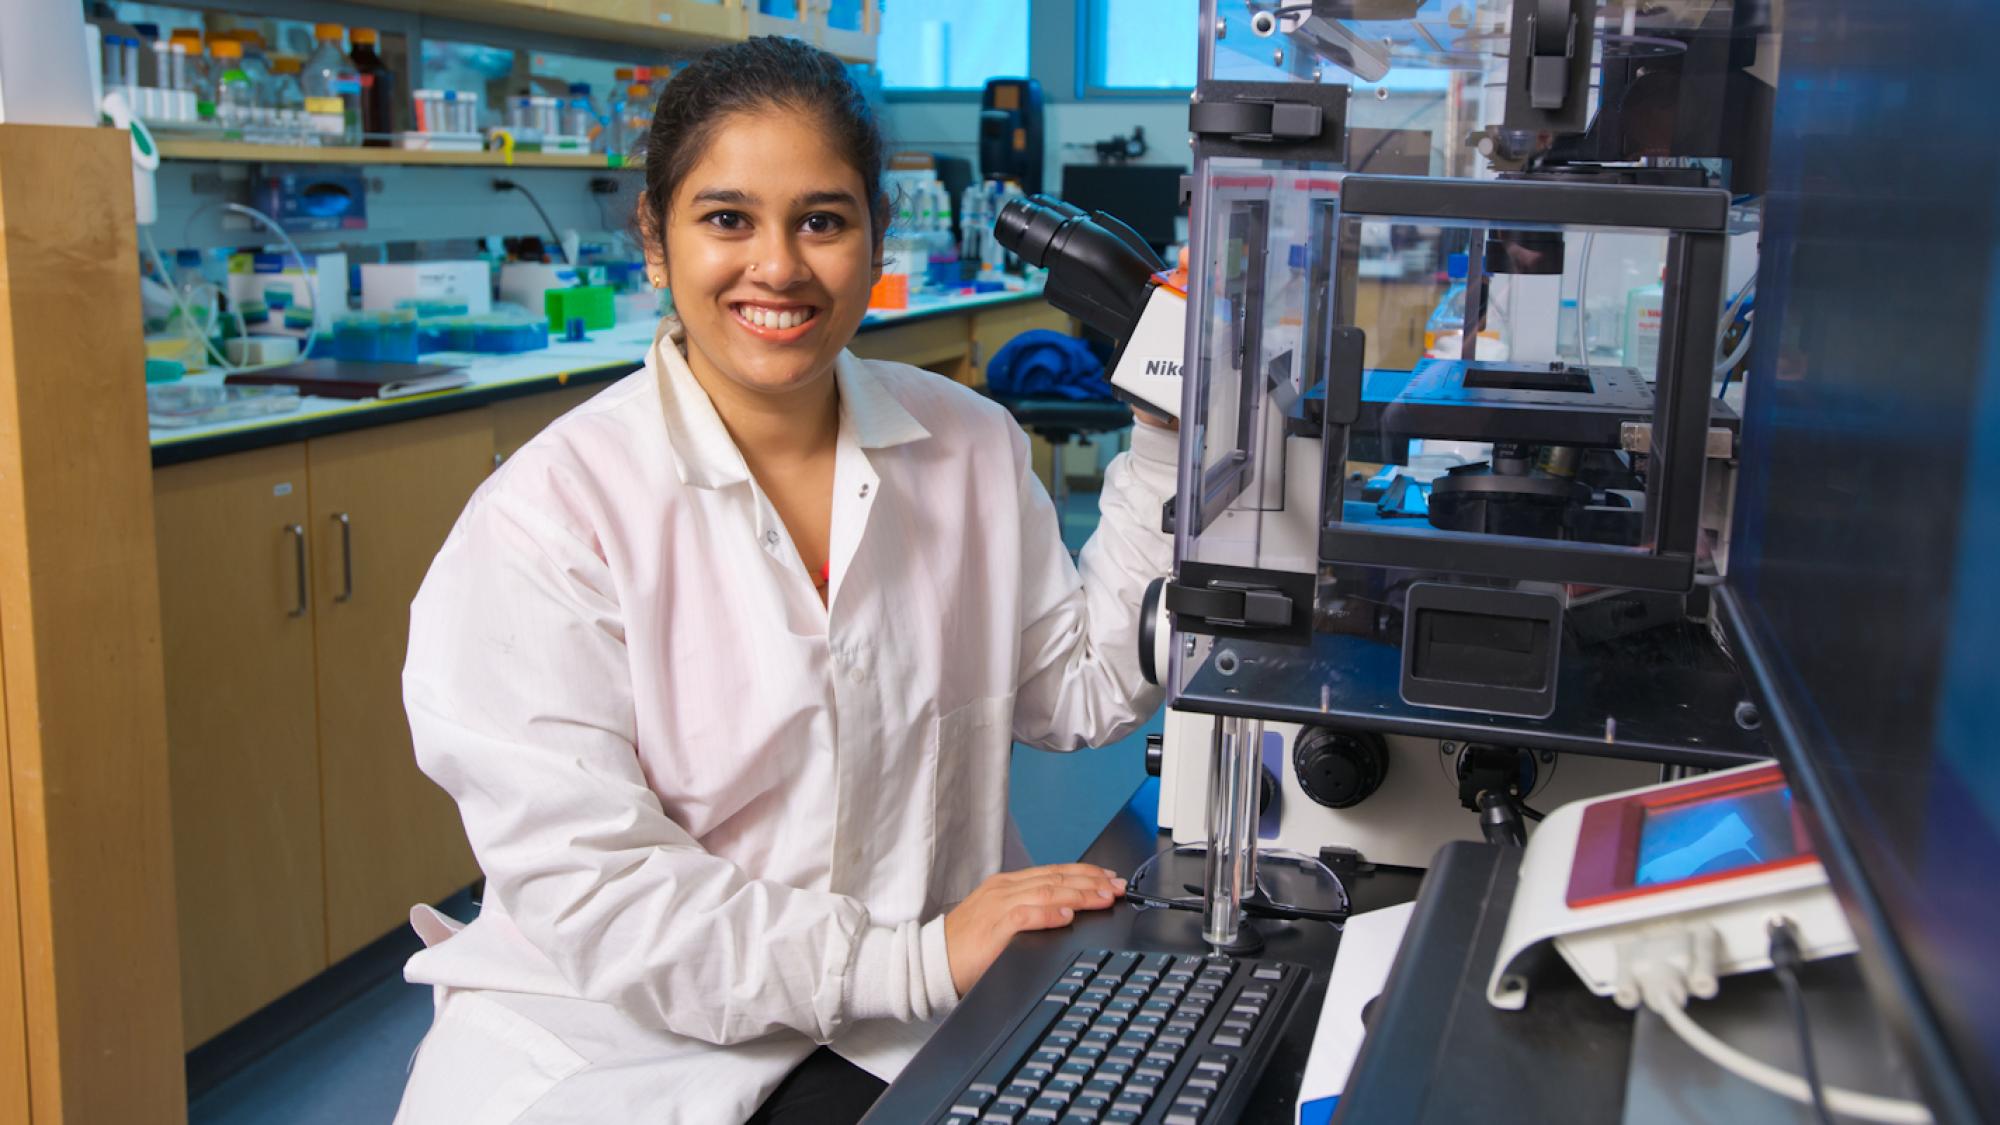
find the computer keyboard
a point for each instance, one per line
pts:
(1131, 1037)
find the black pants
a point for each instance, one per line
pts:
(825, 1089)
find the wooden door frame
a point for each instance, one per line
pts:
(98, 996)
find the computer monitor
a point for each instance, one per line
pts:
(1863, 593)
(1146, 196)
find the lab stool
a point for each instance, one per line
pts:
(1059, 421)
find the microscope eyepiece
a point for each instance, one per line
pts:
(1099, 269)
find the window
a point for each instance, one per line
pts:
(1140, 44)
(952, 44)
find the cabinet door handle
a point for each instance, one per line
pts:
(346, 557)
(298, 534)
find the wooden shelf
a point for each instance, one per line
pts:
(203, 149)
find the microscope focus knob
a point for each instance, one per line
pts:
(1339, 769)
(1156, 754)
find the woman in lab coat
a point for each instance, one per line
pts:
(723, 668)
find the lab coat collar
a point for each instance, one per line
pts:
(704, 454)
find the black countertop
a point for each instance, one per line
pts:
(280, 430)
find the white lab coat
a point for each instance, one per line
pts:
(720, 822)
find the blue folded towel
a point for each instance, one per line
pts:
(1045, 364)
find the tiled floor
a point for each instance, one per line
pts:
(348, 1069)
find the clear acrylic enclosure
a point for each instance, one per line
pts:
(1490, 489)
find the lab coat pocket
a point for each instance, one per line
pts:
(973, 746)
(483, 1064)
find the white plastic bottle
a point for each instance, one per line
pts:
(1644, 309)
(333, 89)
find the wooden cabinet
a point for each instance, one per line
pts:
(382, 502)
(302, 827)
(515, 420)
(1393, 314)
(237, 639)
(993, 328)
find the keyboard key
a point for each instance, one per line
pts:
(1072, 1025)
(1101, 1037)
(1120, 1117)
(1258, 992)
(1063, 990)
(1101, 1087)
(961, 1119)
(1163, 1057)
(1034, 1073)
(1267, 972)
(1079, 972)
(1136, 1038)
(1142, 1082)
(1240, 1027)
(1078, 1069)
(1181, 1117)
(1037, 1116)
(1093, 1104)
(1132, 1101)
(1171, 1038)
(1053, 1105)
(1020, 1097)
(1121, 963)
(970, 1104)
(1156, 962)
(1125, 1053)
(1203, 1083)
(1157, 1004)
(1001, 1116)
(1215, 1064)
(1194, 1101)
(1079, 1119)
(1153, 1021)
(1047, 1057)
(1107, 982)
(1063, 1087)
(1086, 1052)
(1227, 1039)
(1025, 1081)
(987, 1088)
(1156, 1072)
(1094, 995)
(1058, 1041)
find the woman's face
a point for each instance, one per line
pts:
(770, 255)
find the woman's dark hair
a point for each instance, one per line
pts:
(761, 73)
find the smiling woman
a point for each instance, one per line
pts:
(724, 668)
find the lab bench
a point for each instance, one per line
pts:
(289, 549)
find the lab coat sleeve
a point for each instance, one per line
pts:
(1078, 679)
(520, 702)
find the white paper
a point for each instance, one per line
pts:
(1367, 948)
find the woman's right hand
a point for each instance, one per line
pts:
(1034, 898)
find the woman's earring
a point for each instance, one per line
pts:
(657, 281)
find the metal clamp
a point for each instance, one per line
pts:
(1270, 120)
(1233, 604)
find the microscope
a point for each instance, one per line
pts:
(1421, 593)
